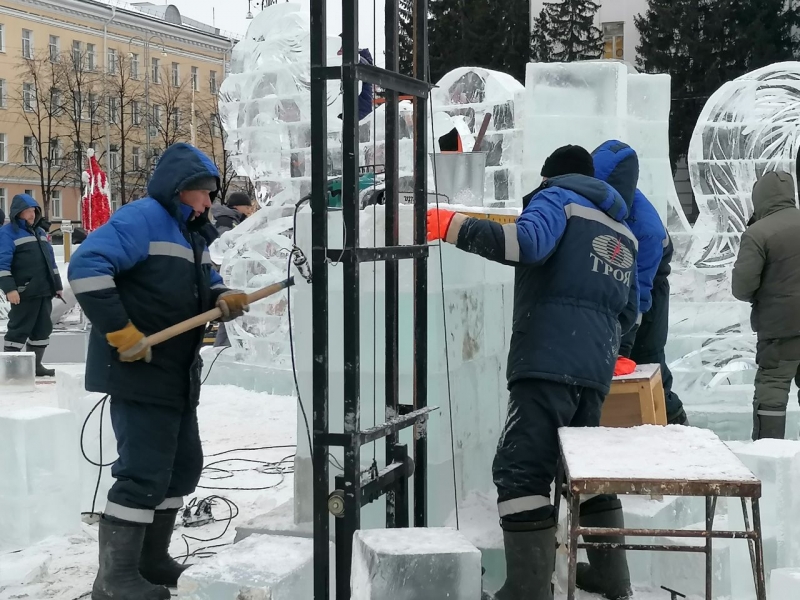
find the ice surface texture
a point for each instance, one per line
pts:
(746, 128)
(39, 486)
(17, 372)
(415, 564)
(261, 566)
(784, 584)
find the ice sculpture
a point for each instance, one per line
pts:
(747, 127)
(588, 103)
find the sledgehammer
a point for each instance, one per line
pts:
(214, 314)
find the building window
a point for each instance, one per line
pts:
(55, 204)
(134, 66)
(136, 158)
(113, 61)
(55, 152)
(195, 79)
(2, 40)
(156, 68)
(91, 57)
(176, 75)
(212, 81)
(55, 102)
(3, 93)
(28, 150)
(613, 38)
(215, 125)
(28, 97)
(94, 107)
(3, 148)
(113, 158)
(114, 201)
(27, 43)
(31, 194)
(176, 118)
(156, 115)
(3, 201)
(54, 47)
(77, 54)
(113, 110)
(136, 113)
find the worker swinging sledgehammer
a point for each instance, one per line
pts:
(575, 296)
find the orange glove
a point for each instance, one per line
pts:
(439, 221)
(233, 305)
(130, 343)
(625, 366)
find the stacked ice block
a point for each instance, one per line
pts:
(478, 298)
(410, 564)
(746, 128)
(17, 372)
(39, 486)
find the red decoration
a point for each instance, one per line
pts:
(96, 209)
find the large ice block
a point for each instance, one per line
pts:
(17, 372)
(410, 564)
(261, 566)
(39, 486)
(784, 584)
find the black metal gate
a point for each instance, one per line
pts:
(352, 493)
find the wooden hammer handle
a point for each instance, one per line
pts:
(213, 314)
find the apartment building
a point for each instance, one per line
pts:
(615, 20)
(125, 81)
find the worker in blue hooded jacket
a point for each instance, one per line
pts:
(147, 269)
(574, 296)
(617, 164)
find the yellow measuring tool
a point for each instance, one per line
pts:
(501, 219)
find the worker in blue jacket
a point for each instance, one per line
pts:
(617, 164)
(30, 280)
(147, 269)
(575, 295)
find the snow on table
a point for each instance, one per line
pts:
(631, 459)
(642, 372)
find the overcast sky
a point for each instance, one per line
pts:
(230, 15)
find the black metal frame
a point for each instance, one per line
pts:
(351, 493)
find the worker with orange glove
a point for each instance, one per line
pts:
(575, 294)
(147, 269)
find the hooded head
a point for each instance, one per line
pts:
(773, 192)
(617, 164)
(184, 168)
(19, 205)
(568, 160)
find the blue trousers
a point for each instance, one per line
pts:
(160, 458)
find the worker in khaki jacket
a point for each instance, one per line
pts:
(767, 274)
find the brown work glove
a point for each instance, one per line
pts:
(130, 343)
(233, 305)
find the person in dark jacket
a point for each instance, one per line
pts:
(767, 275)
(30, 280)
(147, 269)
(236, 209)
(617, 164)
(574, 296)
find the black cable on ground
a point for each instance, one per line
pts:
(202, 552)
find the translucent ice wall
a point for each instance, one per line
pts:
(748, 127)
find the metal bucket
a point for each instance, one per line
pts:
(460, 176)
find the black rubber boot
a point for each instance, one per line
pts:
(530, 560)
(769, 426)
(41, 371)
(607, 572)
(10, 349)
(118, 577)
(156, 565)
(679, 418)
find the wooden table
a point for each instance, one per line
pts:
(653, 460)
(636, 399)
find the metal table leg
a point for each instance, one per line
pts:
(711, 504)
(750, 543)
(574, 522)
(760, 582)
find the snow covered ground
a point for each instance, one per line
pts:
(231, 419)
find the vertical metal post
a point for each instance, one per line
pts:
(574, 501)
(709, 548)
(392, 268)
(760, 582)
(319, 296)
(401, 491)
(352, 293)
(420, 264)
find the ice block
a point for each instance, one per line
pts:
(410, 564)
(784, 584)
(39, 487)
(17, 372)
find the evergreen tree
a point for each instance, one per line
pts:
(540, 42)
(703, 45)
(446, 44)
(406, 35)
(513, 42)
(569, 26)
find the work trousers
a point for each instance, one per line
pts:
(29, 322)
(160, 458)
(778, 365)
(527, 455)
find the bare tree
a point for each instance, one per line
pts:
(39, 98)
(171, 109)
(211, 138)
(126, 114)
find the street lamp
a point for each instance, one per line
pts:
(147, 68)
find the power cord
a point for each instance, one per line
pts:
(102, 404)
